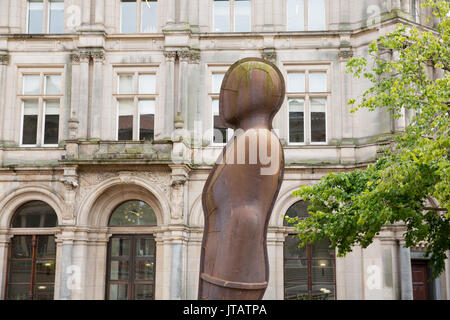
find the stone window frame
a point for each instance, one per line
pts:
(306, 16)
(21, 97)
(306, 68)
(135, 71)
(139, 4)
(232, 16)
(215, 69)
(45, 17)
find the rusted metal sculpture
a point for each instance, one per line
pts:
(239, 196)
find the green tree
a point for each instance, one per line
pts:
(350, 208)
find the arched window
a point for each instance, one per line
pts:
(133, 213)
(32, 257)
(309, 272)
(34, 214)
(131, 258)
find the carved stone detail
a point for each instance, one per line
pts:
(4, 59)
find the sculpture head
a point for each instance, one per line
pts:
(252, 92)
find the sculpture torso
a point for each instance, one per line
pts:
(237, 201)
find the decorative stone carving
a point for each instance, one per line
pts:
(98, 55)
(345, 53)
(4, 59)
(269, 54)
(170, 55)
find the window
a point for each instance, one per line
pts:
(131, 258)
(232, 15)
(41, 99)
(45, 16)
(221, 134)
(136, 106)
(307, 96)
(139, 16)
(133, 213)
(309, 272)
(32, 258)
(314, 20)
(415, 9)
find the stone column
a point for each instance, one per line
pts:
(396, 4)
(345, 53)
(86, 13)
(5, 239)
(193, 14)
(4, 16)
(268, 16)
(4, 60)
(405, 272)
(447, 275)
(277, 15)
(79, 262)
(193, 92)
(169, 108)
(83, 104)
(184, 11)
(97, 96)
(67, 271)
(171, 12)
(183, 79)
(99, 12)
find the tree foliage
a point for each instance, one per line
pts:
(350, 208)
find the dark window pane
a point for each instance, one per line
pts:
(46, 247)
(146, 130)
(51, 129)
(125, 127)
(44, 292)
(120, 247)
(45, 271)
(296, 127)
(145, 247)
(34, 214)
(323, 271)
(29, 135)
(118, 292)
(294, 291)
(20, 271)
(291, 249)
(119, 270)
(298, 209)
(321, 249)
(143, 292)
(145, 270)
(18, 292)
(296, 271)
(21, 247)
(133, 213)
(220, 131)
(318, 131)
(323, 292)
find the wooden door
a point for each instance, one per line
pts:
(419, 279)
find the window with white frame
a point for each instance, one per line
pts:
(138, 16)
(232, 15)
(41, 100)
(305, 15)
(45, 16)
(221, 134)
(307, 96)
(136, 103)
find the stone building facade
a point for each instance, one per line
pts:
(95, 96)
